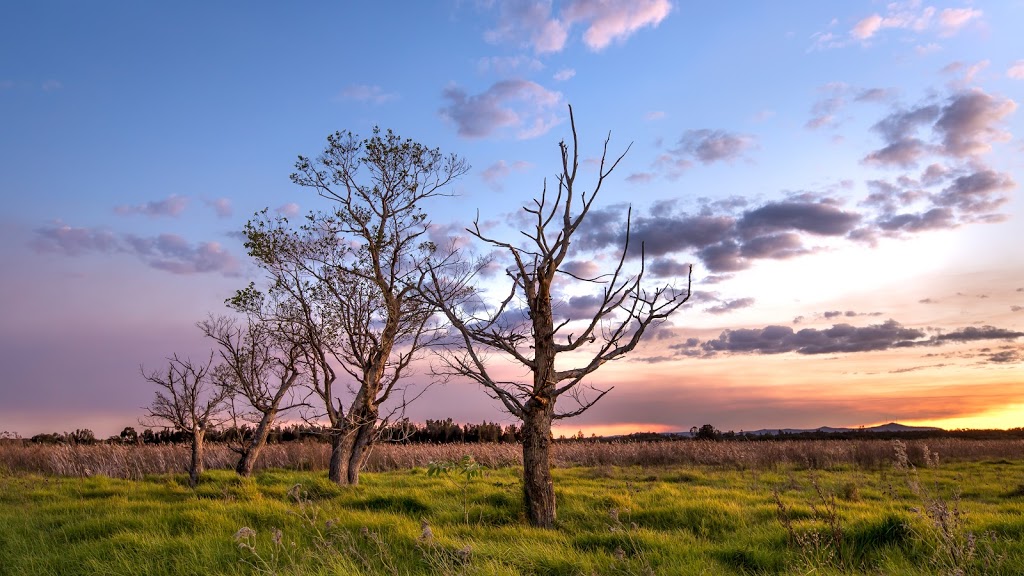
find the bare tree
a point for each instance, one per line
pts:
(187, 401)
(261, 365)
(352, 275)
(535, 337)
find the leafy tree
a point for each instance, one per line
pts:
(350, 275)
(535, 337)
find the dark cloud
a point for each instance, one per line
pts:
(173, 205)
(664, 234)
(730, 305)
(840, 338)
(976, 192)
(668, 268)
(837, 339)
(774, 246)
(963, 127)
(969, 121)
(815, 218)
(709, 146)
(1016, 308)
(168, 252)
(934, 219)
(974, 333)
(521, 105)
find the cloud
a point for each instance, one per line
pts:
(288, 210)
(171, 206)
(654, 115)
(172, 253)
(367, 93)
(505, 65)
(668, 268)
(968, 123)
(813, 217)
(951, 20)
(964, 126)
(730, 305)
(975, 333)
(73, 241)
(52, 86)
(221, 206)
(710, 146)
(1016, 71)
(532, 23)
(614, 20)
(169, 252)
(495, 174)
(840, 338)
(564, 74)
(640, 177)
(907, 15)
(520, 105)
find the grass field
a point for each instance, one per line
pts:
(957, 518)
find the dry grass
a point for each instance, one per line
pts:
(133, 462)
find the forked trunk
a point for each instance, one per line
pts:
(196, 466)
(341, 450)
(538, 488)
(361, 445)
(251, 452)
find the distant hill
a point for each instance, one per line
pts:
(886, 428)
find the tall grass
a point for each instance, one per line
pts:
(135, 462)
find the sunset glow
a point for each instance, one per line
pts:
(847, 192)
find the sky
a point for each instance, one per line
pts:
(843, 176)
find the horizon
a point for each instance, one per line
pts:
(843, 178)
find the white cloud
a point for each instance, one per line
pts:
(1016, 71)
(289, 209)
(532, 23)
(172, 206)
(654, 115)
(367, 93)
(951, 20)
(615, 20)
(564, 74)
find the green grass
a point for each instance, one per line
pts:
(637, 520)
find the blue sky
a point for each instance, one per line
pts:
(844, 176)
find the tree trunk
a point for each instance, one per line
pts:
(362, 442)
(196, 466)
(538, 488)
(252, 451)
(341, 450)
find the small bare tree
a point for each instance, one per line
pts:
(536, 338)
(187, 400)
(352, 276)
(261, 365)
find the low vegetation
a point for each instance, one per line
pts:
(690, 508)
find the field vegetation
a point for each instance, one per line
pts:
(689, 507)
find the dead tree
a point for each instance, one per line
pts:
(353, 273)
(535, 337)
(187, 401)
(261, 364)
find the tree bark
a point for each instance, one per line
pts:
(338, 470)
(259, 439)
(196, 466)
(363, 440)
(538, 487)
